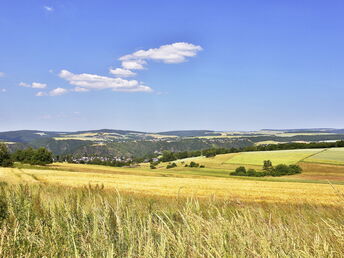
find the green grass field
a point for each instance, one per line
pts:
(277, 157)
(329, 156)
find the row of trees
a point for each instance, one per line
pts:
(30, 156)
(268, 170)
(168, 156)
(112, 163)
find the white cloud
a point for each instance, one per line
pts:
(134, 64)
(58, 92)
(120, 72)
(2, 74)
(3, 90)
(40, 94)
(169, 54)
(48, 8)
(97, 82)
(35, 85)
(23, 84)
(79, 89)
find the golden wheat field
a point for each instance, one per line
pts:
(143, 181)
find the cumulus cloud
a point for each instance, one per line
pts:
(58, 92)
(2, 74)
(48, 8)
(169, 54)
(134, 64)
(35, 85)
(97, 82)
(120, 72)
(174, 53)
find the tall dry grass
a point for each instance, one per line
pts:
(42, 220)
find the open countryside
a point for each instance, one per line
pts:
(213, 180)
(171, 129)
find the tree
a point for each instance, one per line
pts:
(167, 156)
(280, 170)
(240, 171)
(41, 156)
(5, 157)
(267, 166)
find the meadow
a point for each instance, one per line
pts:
(80, 210)
(277, 157)
(329, 156)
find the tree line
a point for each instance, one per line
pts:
(40, 156)
(268, 170)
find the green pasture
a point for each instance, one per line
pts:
(329, 156)
(277, 157)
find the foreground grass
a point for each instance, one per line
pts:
(42, 220)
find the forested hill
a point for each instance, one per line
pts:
(109, 142)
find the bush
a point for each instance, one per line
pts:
(251, 172)
(240, 170)
(173, 165)
(280, 170)
(152, 166)
(193, 164)
(296, 169)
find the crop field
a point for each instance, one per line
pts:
(330, 156)
(143, 181)
(277, 157)
(74, 210)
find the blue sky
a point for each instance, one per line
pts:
(237, 65)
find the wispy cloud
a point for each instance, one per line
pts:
(2, 74)
(58, 92)
(3, 90)
(52, 93)
(79, 89)
(35, 85)
(48, 8)
(97, 82)
(40, 94)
